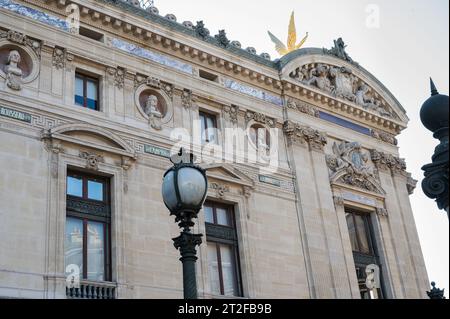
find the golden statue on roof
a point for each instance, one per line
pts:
(292, 39)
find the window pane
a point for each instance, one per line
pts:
(73, 244)
(223, 217)
(213, 268)
(362, 234)
(228, 271)
(211, 129)
(95, 190)
(209, 218)
(96, 252)
(352, 231)
(202, 122)
(74, 186)
(91, 94)
(79, 91)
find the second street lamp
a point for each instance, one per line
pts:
(184, 190)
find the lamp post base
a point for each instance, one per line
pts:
(187, 244)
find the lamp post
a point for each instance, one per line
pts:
(184, 192)
(435, 293)
(434, 116)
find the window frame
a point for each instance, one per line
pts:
(233, 244)
(86, 218)
(204, 116)
(85, 78)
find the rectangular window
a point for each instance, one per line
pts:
(208, 128)
(86, 91)
(223, 254)
(87, 240)
(364, 250)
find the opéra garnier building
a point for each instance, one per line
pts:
(307, 198)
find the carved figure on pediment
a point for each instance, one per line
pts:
(319, 78)
(13, 71)
(344, 82)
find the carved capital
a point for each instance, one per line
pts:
(231, 113)
(382, 212)
(305, 134)
(119, 76)
(186, 98)
(385, 161)
(338, 201)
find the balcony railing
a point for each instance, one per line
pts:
(92, 290)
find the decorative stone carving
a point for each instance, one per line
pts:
(251, 50)
(168, 89)
(92, 160)
(260, 118)
(171, 17)
(349, 165)
(59, 59)
(247, 191)
(387, 161)
(382, 212)
(339, 51)
(339, 201)
(21, 39)
(231, 113)
(201, 30)
(411, 184)
(222, 39)
(303, 107)
(340, 82)
(189, 25)
(385, 137)
(119, 77)
(236, 44)
(305, 134)
(13, 71)
(220, 189)
(154, 115)
(186, 98)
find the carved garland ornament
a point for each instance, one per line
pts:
(231, 113)
(387, 161)
(60, 57)
(349, 165)
(260, 118)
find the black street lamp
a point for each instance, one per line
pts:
(184, 190)
(435, 293)
(434, 116)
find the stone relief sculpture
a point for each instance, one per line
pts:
(341, 83)
(151, 109)
(13, 71)
(350, 165)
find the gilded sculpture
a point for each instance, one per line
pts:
(292, 45)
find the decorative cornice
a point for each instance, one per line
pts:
(305, 134)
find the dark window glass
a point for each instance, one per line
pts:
(223, 256)
(209, 128)
(87, 243)
(86, 91)
(364, 250)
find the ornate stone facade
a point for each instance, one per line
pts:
(151, 88)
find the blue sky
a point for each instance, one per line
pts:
(409, 45)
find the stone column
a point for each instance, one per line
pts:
(410, 278)
(320, 224)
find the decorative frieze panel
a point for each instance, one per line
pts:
(254, 92)
(350, 165)
(305, 134)
(341, 82)
(303, 107)
(385, 137)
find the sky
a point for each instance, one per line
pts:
(408, 43)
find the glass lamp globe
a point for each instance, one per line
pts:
(184, 188)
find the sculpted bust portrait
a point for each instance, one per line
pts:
(151, 106)
(13, 71)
